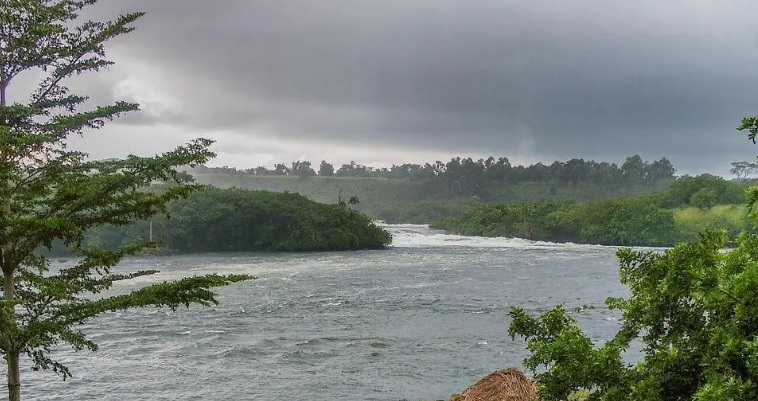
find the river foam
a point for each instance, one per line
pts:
(418, 235)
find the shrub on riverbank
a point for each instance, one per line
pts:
(635, 222)
(691, 221)
(605, 222)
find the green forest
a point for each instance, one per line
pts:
(238, 220)
(637, 203)
(662, 218)
(389, 193)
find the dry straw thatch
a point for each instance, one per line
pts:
(501, 385)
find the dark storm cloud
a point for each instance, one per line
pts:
(591, 78)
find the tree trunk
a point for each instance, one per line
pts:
(9, 284)
(12, 355)
(14, 379)
(3, 90)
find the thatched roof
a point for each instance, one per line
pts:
(501, 385)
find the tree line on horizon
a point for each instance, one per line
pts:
(634, 167)
(469, 177)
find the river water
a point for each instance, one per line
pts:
(422, 320)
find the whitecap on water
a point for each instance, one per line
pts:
(420, 236)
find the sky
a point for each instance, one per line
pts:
(395, 81)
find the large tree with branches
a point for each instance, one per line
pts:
(49, 192)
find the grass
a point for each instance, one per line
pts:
(690, 221)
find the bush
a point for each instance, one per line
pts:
(695, 310)
(704, 198)
(608, 222)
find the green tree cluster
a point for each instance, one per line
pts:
(704, 198)
(650, 219)
(705, 190)
(238, 220)
(692, 308)
(605, 222)
(680, 193)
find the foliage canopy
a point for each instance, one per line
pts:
(692, 308)
(238, 220)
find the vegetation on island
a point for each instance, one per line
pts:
(692, 308)
(51, 193)
(237, 220)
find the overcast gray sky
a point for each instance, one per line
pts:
(394, 81)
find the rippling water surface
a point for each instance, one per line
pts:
(420, 321)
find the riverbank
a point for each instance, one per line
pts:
(616, 222)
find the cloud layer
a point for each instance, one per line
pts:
(578, 78)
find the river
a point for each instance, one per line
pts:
(422, 320)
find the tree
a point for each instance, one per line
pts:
(302, 169)
(325, 169)
(353, 170)
(49, 193)
(281, 169)
(693, 309)
(705, 198)
(660, 170)
(742, 170)
(633, 169)
(262, 170)
(749, 124)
